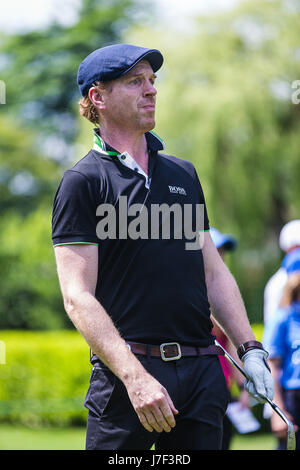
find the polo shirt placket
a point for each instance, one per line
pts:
(125, 158)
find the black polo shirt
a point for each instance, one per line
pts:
(153, 288)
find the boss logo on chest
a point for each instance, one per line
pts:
(177, 190)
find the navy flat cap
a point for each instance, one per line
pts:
(111, 62)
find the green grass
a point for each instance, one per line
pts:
(22, 438)
(253, 442)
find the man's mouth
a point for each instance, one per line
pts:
(149, 106)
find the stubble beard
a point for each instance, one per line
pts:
(136, 122)
(148, 124)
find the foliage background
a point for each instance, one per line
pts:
(45, 378)
(224, 102)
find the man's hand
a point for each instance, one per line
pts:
(278, 426)
(260, 383)
(152, 404)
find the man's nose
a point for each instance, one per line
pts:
(149, 89)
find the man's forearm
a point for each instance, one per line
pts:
(228, 307)
(96, 326)
(149, 398)
(229, 310)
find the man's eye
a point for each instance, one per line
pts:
(135, 81)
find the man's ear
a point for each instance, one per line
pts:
(97, 97)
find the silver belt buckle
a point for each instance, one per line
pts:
(162, 352)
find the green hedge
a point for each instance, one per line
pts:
(46, 376)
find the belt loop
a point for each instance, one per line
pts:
(148, 352)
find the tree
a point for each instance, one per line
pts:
(42, 66)
(224, 103)
(38, 129)
(27, 178)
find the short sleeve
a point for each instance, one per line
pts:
(74, 210)
(202, 201)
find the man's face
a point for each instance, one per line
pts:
(130, 101)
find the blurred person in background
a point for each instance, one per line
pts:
(227, 243)
(289, 240)
(284, 352)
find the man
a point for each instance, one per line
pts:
(289, 240)
(284, 343)
(130, 297)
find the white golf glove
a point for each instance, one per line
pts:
(260, 383)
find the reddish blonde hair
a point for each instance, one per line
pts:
(87, 108)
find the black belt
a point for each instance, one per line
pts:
(173, 351)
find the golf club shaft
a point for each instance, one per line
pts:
(291, 438)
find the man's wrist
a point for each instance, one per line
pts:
(247, 346)
(133, 373)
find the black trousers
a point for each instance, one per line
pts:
(195, 384)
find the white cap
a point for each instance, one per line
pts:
(290, 235)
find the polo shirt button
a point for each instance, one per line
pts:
(136, 169)
(123, 157)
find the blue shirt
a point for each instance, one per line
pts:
(284, 343)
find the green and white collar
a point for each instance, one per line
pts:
(154, 142)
